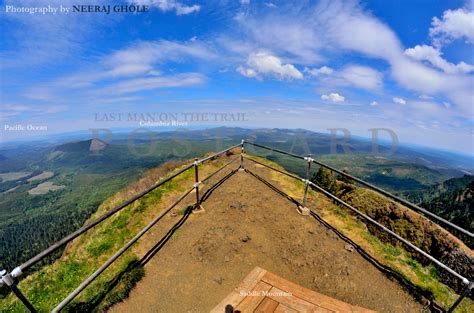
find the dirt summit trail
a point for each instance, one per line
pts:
(246, 224)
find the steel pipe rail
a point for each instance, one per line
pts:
(273, 149)
(19, 270)
(398, 199)
(406, 242)
(330, 195)
(220, 169)
(469, 285)
(16, 272)
(375, 188)
(218, 153)
(112, 259)
(275, 169)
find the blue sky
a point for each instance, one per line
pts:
(402, 65)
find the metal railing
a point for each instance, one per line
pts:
(307, 182)
(9, 278)
(375, 188)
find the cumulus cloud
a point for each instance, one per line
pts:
(363, 77)
(267, 64)
(334, 97)
(169, 5)
(347, 26)
(399, 100)
(434, 57)
(247, 72)
(454, 24)
(374, 103)
(324, 70)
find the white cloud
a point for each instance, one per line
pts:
(10, 110)
(38, 40)
(280, 34)
(399, 100)
(150, 52)
(268, 64)
(244, 2)
(347, 26)
(434, 57)
(447, 105)
(425, 97)
(149, 83)
(247, 72)
(324, 70)
(374, 103)
(169, 5)
(363, 77)
(455, 24)
(334, 97)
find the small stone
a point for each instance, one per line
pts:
(226, 259)
(174, 214)
(311, 231)
(246, 238)
(349, 248)
(219, 280)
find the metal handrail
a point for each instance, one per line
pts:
(9, 278)
(469, 284)
(273, 168)
(112, 259)
(375, 188)
(94, 223)
(412, 246)
(330, 195)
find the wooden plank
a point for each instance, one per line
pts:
(234, 298)
(267, 306)
(281, 308)
(312, 296)
(253, 300)
(293, 302)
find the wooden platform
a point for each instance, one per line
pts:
(262, 291)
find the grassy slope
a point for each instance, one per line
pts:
(48, 286)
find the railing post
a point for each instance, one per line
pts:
(7, 279)
(242, 155)
(306, 184)
(196, 180)
(463, 294)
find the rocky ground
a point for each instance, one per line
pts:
(246, 224)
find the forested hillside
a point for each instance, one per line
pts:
(452, 199)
